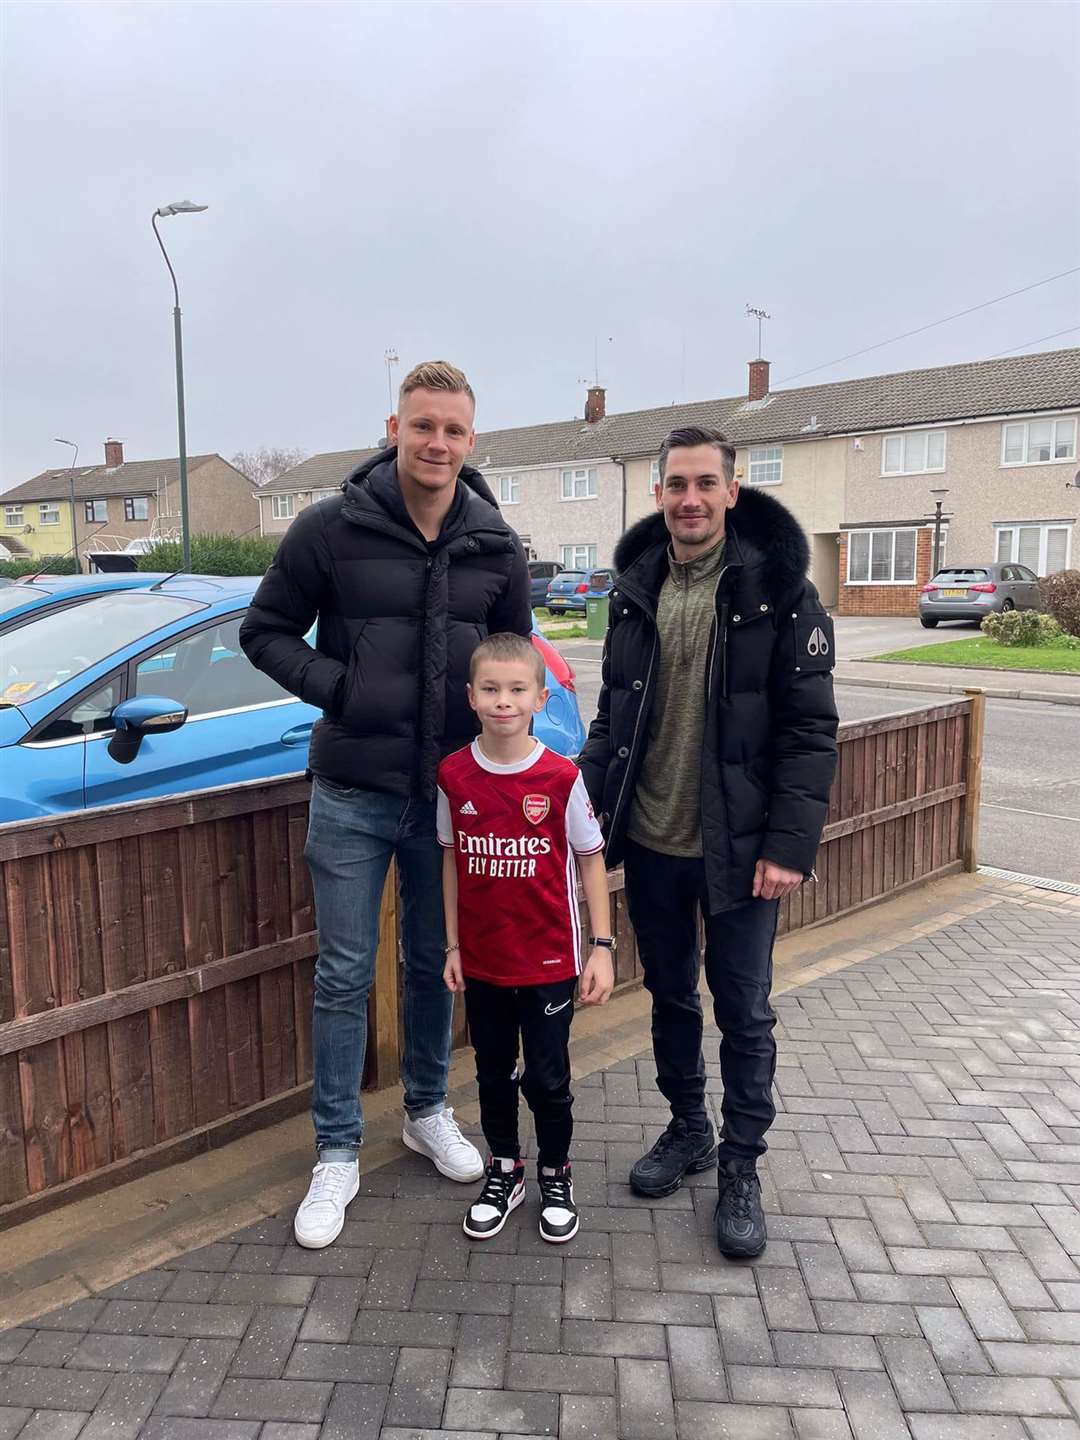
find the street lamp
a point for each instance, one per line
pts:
(71, 492)
(180, 207)
(939, 496)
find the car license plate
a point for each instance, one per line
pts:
(954, 594)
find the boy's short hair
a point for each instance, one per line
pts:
(436, 375)
(507, 647)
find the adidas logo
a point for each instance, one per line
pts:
(468, 808)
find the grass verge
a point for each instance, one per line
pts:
(986, 654)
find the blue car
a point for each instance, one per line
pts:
(21, 599)
(572, 588)
(135, 693)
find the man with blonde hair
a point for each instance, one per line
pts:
(404, 571)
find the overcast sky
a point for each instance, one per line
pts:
(502, 185)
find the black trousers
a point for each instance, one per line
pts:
(540, 1015)
(664, 895)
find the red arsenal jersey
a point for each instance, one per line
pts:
(515, 830)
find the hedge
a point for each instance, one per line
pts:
(214, 555)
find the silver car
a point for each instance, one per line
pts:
(968, 592)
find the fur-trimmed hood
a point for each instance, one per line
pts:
(764, 533)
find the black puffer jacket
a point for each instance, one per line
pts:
(398, 621)
(769, 753)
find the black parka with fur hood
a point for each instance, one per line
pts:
(769, 751)
(398, 620)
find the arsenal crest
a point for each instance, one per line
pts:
(536, 808)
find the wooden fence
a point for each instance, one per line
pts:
(157, 958)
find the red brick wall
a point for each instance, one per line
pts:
(886, 599)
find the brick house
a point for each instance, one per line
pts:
(121, 501)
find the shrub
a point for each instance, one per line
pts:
(1061, 599)
(43, 565)
(214, 555)
(1015, 627)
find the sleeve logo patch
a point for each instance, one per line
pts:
(536, 808)
(818, 643)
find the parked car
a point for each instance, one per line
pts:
(572, 588)
(138, 693)
(541, 573)
(968, 592)
(23, 599)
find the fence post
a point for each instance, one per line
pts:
(969, 840)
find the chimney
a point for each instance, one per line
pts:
(594, 404)
(759, 379)
(114, 453)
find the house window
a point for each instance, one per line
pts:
(1038, 442)
(654, 476)
(1042, 548)
(915, 453)
(579, 484)
(13, 516)
(881, 557)
(766, 465)
(96, 511)
(577, 557)
(48, 513)
(136, 507)
(282, 506)
(317, 495)
(509, 489)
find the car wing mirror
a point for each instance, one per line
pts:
(138, 717)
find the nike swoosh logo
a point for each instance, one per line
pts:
(550, 1009)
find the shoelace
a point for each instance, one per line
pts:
(739, 1196)
(445, 1129)
(556, 1190)
(329, 1181)
(674, 1133)
(497, 1188)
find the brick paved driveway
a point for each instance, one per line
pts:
(922, 1280)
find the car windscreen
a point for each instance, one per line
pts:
(14, 596)
(570, 577)
(40, 655)
(959, 577)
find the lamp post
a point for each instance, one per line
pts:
(180, 207)
(939, 496)
(71, 495)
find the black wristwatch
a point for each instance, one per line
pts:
(603, 942)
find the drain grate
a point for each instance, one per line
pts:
(1040, 882)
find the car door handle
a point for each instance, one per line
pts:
(298, 735)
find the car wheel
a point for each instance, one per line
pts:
(1006, 606)
(927, 623)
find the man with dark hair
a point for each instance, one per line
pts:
(405, 570)
(710, 760)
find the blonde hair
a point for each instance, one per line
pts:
(435, 375)
(504, 647)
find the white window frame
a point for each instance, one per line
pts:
(92, 519)
(509, 489)
(904, 468)
(317, 495)
(49, 512)
(568, 557)
(654, 475)
(572, 479)
(883, 530)
(13, 517)
(1044, 528)
(283, 507)
(764, 459)
(1054, 421)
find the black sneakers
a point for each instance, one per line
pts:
(558, 1213)
(503, 1191)
(677, 1152)
(740, 1220)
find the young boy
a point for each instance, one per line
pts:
(514, 817)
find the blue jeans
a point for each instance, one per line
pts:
(352, 835)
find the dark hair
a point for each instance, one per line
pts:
(504, 647)
(691, 435)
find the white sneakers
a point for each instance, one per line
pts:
(321, 1214)
(334, 1183)
(440, 1139)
